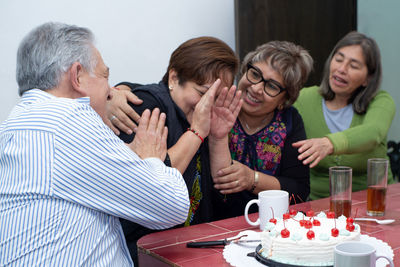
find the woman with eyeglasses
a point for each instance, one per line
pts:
(260, 142)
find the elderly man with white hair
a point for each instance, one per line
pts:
(65, 178)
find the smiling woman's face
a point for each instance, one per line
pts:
(255, 101)
(348, 71)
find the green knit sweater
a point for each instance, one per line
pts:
(366, 138)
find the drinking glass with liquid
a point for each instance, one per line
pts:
(340, 187)
(377, 173)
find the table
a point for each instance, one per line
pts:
(168, 248)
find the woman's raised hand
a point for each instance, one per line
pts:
(313, 150)
(120, 115)
(225, 112)
(202, 113)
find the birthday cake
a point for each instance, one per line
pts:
(306, 240)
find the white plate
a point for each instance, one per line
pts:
(381, 248)
(236, 254)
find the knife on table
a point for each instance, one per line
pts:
(216, 243)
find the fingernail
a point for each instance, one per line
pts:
(129, 132)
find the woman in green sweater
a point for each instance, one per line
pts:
(347, 117)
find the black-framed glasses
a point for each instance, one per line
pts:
(271, 87)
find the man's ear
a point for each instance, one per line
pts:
(76, 73)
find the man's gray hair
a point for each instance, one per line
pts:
(48, 51)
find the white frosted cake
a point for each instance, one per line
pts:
(306, 240)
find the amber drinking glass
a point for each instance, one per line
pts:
(340, 185)
(377, 186)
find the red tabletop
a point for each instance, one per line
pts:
(168, 248)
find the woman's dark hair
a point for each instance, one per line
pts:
(364, 94)
(201, 60)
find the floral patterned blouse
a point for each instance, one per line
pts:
(261, 151)
(269, 151)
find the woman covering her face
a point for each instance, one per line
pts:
(347, 117)
(194, 96)
(260, 141)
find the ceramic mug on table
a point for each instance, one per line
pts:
(271, 203)
(356, 253)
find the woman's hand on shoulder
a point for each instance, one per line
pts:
(313, 150)
(151, 136)
(225, 112)
(235, 178)
(120, 115)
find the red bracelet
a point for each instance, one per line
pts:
(196, 133)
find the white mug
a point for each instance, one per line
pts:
(271, 203)
(357, 253)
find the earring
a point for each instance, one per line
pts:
(170, 87)
(280, 107)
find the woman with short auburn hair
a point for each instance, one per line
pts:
(194, 96)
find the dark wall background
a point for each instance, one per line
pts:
(314, 24)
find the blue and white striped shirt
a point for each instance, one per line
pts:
(65, 178)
